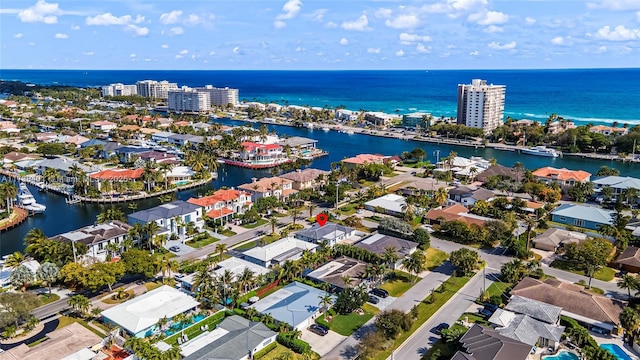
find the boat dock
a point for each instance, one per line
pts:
(21, 216)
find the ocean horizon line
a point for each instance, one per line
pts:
(330, 70)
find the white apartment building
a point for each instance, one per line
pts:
(119, 90)
(220, 96)
(188, 99)
(481, 105)
(155, 89)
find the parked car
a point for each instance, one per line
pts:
(374, 299)
(318, 329)
(485, 312)
(380, 292)
(174, 248)
(438, 329)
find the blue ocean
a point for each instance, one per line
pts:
(598, 96)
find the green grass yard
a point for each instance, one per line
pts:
(346, 324)
(194, 330)
(604, 274)
(255, 225)
(399, 284)
(435, 258)
(48, 298)
(204, 242)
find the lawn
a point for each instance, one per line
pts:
(247, 245)
(268, 239)
(279, 353)
(425, 311)
(152, 285)
(227, 233)
(48, 298)
(435, 258)
(498, 289)
(255, 225)
(399, 284)
(203, 242)
(348, 209)
(604, 274)
(67, 320)
(348, 324)
(194, 330)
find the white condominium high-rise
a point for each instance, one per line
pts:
(188, 99)
(119, 90)
(220, 96)
(481, 105)
(155, 89)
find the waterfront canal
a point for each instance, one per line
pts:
(61, 217)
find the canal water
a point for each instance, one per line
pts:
(61, 217)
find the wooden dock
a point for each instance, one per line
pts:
(22, 215)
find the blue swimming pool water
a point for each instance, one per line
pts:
(176, 328)
(562, 355)
(616, 351)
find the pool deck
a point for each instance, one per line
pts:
(601, 339)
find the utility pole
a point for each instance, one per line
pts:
(484, 280)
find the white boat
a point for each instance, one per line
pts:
(27, 201)
(350, 132)
(325, 129)
(310, 125)
(541, 151)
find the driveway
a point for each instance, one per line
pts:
(384, 302)
(322, 344)
(184, 249)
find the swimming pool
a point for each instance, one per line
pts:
(616, 351)
(562, 355)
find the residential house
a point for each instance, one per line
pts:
(335, 272)
(224, 203)
(554, 238)
(362, 159)
(295, 304)
(481, 343)
(9, 127)
(115, 175)
(629, 260)
(63, 166)
(104, 126)
(130, 153)
(278, 252)
(93, 142)
(234, 265)
(589, 309)
(234, 338)
(139, 316)
(275, 186)
(501, 171)
(171, 217)
(76, 140)
(306, 179)
(158, 157)
(463, 167)
(391, 203)
(454, 212)
(378, 244)
(96, 237)
(180, 175)
(618, 183)
(608, 130)
(185, 139)
(161, 137)
(330, 234)
(262, 154)
(300, 146)
(346, 115)
(421, 186)
(45, 137)
(589, 217)
(15, 156)
(468, 195)
(565, 178)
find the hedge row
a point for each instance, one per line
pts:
(296, 345)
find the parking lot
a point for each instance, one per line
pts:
(322, 344)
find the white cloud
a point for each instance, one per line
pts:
(236, 50)
(42, 12)
(184, 52)
(408, 21)
(400, 53)
(291, 9)
(408, 39)
(61, 36)
(194, 19)
(474, 53)
(317, 15)
(530, 20)
(423, 49)
(496, 46)
(132, 55)
(176, 31)
(344, 41)
(383, 13)
(299, 49)
(108, 18)
(32, 44)
(360, 24)
(615, 4)
(620, 33)
(331, 25)
(602, 49)
(164, 46)
(212, 53)
(373, 50)
(88, 53)
(466, 5)
(489, 18)
(75, 27)
(137, 30)
(179, 56)
(171, 17)
(18, 36)
(558, 40)
(493, 29)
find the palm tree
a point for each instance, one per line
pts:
(15, 259)
(628, 282)
(50, 175)
(289, 270)
(325, 301)
(390, 257)
(165, 167)
(294, 214)
(148, 174)
(110, 214)
(630, 322)
(246, 279)
(10, 191)
(79, 303)
(311, 207)
(48, 274)
(204, 284)
(150, 230)
(220, 249)
(441, 196)
(273, 221)
(415, 263)
(267, 319)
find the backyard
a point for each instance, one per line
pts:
(348, 324)
(194, 330)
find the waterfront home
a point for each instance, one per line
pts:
(171, 217)
(180, 175)
(335, 272)
(378, 244)
(139, 316)
(185, 139)
(392, 204)
(104, 126)
(502, 172)
(158, 157)
(130, 153)
(233, 264)
(482, 343)
(629, 260)
(63, 166)
(346, 115)
(413, 120)
(306, 179)
(295, 304)
(564, 177)
(278, 252)
(331, 234)
(234, 338)
(469, 195)
(362, 159)
(115, 175)
(15, 156)
(608, 130)
(463, 167)
(591, 310)
(275, 186)
(617, 183)
(456, 212)
(71, 342)
(299, 145)
(253, 153)
(421, 185)
(161, 137)
(589, 217)
(223, 204)
(554, 238)
(97, 237)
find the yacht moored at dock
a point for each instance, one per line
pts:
(541, 151)
(27, 201)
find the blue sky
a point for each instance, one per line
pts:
(329, 34)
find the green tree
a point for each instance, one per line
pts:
(422, 237)
(139, 262)
(392, 322)
(16, 307)
(325, 301)
(630, 322)
(629, 282)
(591, 255)
(415, 263)
(21, 277)
(48, 273)
(79, 303)
(110, 214)
(465, 260)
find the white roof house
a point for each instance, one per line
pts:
(235, 265)
(278, 252)
(140, 315)
(392, 204)
(618, 183)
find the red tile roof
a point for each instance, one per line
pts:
(117, 174)
(215, 214)
(218, 196)
(362, 159)
(562, 174)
